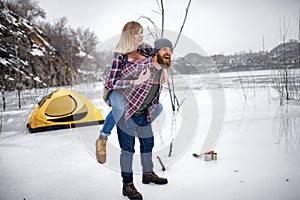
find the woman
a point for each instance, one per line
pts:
(130, 46)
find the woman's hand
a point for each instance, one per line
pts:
(105, 96)
(144, 75)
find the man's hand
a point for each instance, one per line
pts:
(144, 75)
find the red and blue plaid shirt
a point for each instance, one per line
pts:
(119, 60)
(135, 95)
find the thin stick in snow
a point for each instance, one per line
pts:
(171, 147)
(161, 163)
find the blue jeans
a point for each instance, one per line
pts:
(118, 107)
(136, 125)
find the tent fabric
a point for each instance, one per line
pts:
(63, 109)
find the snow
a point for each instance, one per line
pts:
(37, 79)
(258, 151)
(2, 27)
(84, 54)
(37, 52)
(4, 61)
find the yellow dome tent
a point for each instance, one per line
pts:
(63, 109)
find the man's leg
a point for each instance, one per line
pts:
(146, 140)
(145, 135)
(126, 140)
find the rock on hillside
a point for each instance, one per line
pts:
(27, 59)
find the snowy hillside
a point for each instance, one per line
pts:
(27, 60)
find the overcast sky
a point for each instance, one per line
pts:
(218, 26)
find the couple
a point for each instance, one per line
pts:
(132, 89)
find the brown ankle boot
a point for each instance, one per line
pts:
(101, 149)
(153, 178)
(130, 191)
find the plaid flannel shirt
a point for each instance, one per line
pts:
(119, 60)
(135, 95)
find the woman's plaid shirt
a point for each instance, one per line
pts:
(119, 60)
(135, 94)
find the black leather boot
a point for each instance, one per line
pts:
(153, 178)
(131, 192)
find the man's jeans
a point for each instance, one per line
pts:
(136, 125)
(118, 106)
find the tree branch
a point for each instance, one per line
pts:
(154, 25)
(162, 18)
(186, 13)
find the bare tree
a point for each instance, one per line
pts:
(297, 21)
(85, 39)
(174, 99)
(28, 9)
(285, 59)
(59, 34)
(60, 26)
(284, 31)
(155, 34)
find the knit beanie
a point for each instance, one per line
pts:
(160, 43)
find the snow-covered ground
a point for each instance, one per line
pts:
(258, 150)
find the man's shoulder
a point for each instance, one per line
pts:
(145, 49)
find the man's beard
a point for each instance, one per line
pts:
(164, 62)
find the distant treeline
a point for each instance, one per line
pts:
(285, 55)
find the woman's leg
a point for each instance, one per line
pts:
(159, 109)
(118, 106)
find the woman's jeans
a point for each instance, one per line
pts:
(118, 106)
(135, 126)
(117, 103)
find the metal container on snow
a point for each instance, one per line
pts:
(210, 156)
(214, 156)
(207, 157)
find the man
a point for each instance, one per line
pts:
(141, 104)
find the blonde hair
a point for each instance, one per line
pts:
(127, 42)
